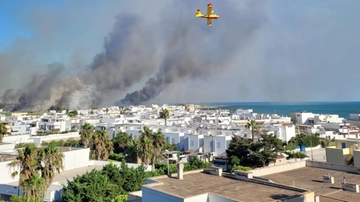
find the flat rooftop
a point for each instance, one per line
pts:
(200, 183)
(70, 174)
(312, 178)
(65, 149)
(7, 157)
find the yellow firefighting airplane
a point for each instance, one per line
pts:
(209, 15)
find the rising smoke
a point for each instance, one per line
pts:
(197, 52)
(132, 52)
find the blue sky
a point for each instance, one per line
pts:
(10, 24)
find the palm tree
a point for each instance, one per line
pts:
(100, 145)
(35, 187)
(86, 133)
(131, 151)
(254, 127)
(145, 146)
(37, 169)
(52, 159)
(164, 114)
(28, 163)
(158, 144)
(3, 131)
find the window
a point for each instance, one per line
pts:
(191, 143)
(172, 140)
(218, 145)
(343, 145)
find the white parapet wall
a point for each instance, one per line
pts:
(6, 171)
(243, 175)
(76, 158)
(279, 168)
(332, 166)
(17, 138)
(4, 147)
(130, 165)
(213, 170)
(39, 139)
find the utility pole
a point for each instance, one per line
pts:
(312, 157)
(168, 164)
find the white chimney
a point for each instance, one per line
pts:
(180, 170)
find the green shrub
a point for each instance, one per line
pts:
(116, 157)
(194, 164)
(298, 155)
(306, 140)
(243, 168)
(290, 146)
(120, 198)
(22, 145)
(163, 168)
(324, 142)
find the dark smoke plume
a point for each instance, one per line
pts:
(196, 52)
(127, 58)
(176, 48)
(38, 88)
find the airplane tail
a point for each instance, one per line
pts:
(198, 13)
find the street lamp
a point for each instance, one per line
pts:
(167, 156)
(312, 157)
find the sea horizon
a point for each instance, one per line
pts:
(343, 108)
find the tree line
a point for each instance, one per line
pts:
(147, 148)
(246, 154)
(38, 166)
(113, 183)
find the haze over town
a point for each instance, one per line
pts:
(83, 86)
(54, 53)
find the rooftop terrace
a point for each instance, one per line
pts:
(7, 157)
(309, 177)
(70, 174)
(200, 183)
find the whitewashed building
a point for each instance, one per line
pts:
(216, 144)
(193, 142)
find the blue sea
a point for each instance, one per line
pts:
(343, 109)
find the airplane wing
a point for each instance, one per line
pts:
(209, 23)
(209, 9)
